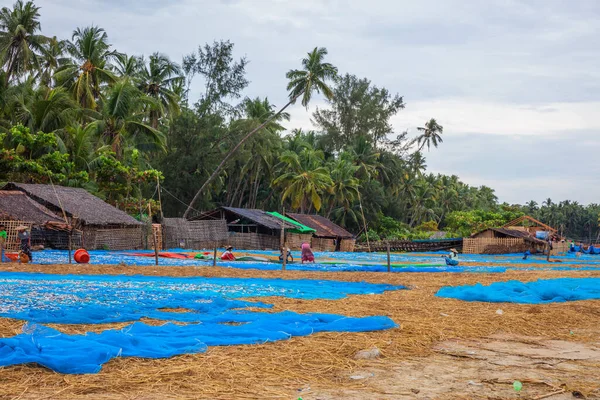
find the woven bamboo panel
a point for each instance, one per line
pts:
(113, 238)
(495, 245)
(180, 233)
(322, 244)
(347, 245)
(12, 241)
(294, 240)
(253, 241)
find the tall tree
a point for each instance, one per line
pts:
(157, 80)
(303, 82)
(20, 41)
(431, 134)
(358, 108)
(89, 68)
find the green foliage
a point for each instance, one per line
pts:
(465, 223)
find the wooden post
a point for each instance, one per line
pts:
(159, 199)
(153, 235)
(364, 222)
(215, 257)
(389, 264)
(70, 244)
(282, 242)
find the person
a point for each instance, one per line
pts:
(3, 237)
(25, 238)
(289, 256)
(453, 254)
(307, 254)
(228, 254)
(526, 254)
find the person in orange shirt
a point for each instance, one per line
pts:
(228, 255)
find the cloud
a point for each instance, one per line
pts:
(501, 76)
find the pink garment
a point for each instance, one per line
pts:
(307, 254)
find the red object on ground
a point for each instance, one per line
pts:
(82, 256)
(12, 256)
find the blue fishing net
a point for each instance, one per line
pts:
(213, 315)
(536, 292)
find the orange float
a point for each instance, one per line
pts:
(82, 256)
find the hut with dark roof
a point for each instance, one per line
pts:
(103, 226)
(16, 208)
(328, 236)
(501, 241)
(251, 229)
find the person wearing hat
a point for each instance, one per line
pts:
(25, 238)
(228, 254)
(288, 254)
(453, 254)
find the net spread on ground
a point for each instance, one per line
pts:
(537, 292)
(213, 315)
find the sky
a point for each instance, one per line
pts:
(516, 84)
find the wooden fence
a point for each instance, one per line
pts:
(495, 246)
(411, 245)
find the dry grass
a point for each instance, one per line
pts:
(278, 370)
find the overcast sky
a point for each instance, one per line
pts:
(516, 84)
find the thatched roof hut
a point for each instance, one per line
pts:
(255, 229)
(17, 206)
(501, 240)
(328, 236)
(103, 226)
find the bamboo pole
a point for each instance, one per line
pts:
(159, 199)
(282, 242)
(389, 264)
(215, 257)
(70, 244)
(153, 235)
(364, 222)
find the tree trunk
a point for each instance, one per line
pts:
(242, 193)
(231, 152)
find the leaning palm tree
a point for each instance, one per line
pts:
(432, 134)
(51, 59)
(89, 69)
(20, 43)
(303, 82)
(157, 80)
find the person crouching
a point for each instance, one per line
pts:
(307, 254)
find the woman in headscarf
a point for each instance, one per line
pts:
(25, 238)
(307, 254)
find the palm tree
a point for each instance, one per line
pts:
(157, 80)
(89, 69)
(306, 179)
(312, 78)
(432, 134)
(345, 185)
(51, 59)
(127, 67)
(122, 120)
(20, 43)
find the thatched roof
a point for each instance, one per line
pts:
(17, 206)
(78, 203)
(258, 217)
(323, 226)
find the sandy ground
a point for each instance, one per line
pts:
(443, 349)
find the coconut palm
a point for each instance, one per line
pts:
(345, 185)
(311, 78)
(305, 180)
(51, 59)
(431, 134)
(89, 69)
(122, 120)
(127, 67)
(20, 42)
(157, 80)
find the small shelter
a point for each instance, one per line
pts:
(103, 226)
(251, 229)
(533, 227)
(501, 241)
(16, 208)
(328, 236)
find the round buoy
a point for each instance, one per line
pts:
(82, 256)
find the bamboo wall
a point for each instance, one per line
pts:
(294, 240)
(54, 239)
(495, 245)
(322, 244)
(347, 245)
(253, 241)
(12, 241)
(180, 233)
(95, 238)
